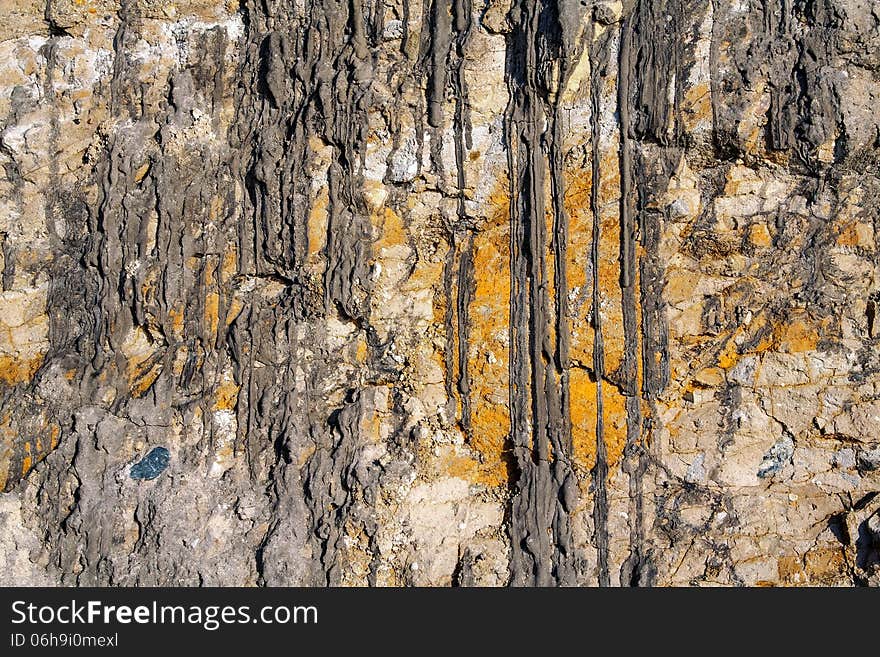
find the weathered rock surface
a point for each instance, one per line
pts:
(440, 292)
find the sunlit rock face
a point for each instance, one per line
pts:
(454, 292)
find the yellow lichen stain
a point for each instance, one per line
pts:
(176, 315)
(470, 469)
(584, 411)
(393, 232)
(142, 370)
(820, 565)
(210, 270)
(488, 353)
(226, 395)
(796, 336)
(141, 172)
(729, 355)
(229, 265)
(731, 352)
(825, 563)
(15, 370)
(361, 351)
(791, 570)
(317, 225)
(216, 208)
(235, 307)
(697, 104)
(212, 312)
(143, 381)
(31, 452)
(576, 202)
(27, 461)
(578, 206)
(857, 234)
(759, 235)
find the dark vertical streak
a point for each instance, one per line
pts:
(633, 462)
(600, 471)
(538, 50)
(462, 10)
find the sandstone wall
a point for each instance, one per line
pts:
(440, 292)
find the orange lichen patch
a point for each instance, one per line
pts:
(15, 370)
(791, 570)
(212, 312)
(824, 563)
(216, 208)
(742, 341)
(729, 355)
(210, 271)
(176, 315)
(466, 467)
(142, 369)
(611, 294)
(857, 234)
(759, 235)
(821, 565)
(13, 446)
(577, 202)
(317, 225)
(235, 307)
(697, 104)
(584, 411)
(361, 350)
(796, 336)
(488, 353)
(229, 264)
(141, 172)
(142, 382)
(226, 395)
(27, 461)
(392, 230)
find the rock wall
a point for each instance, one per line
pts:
(439, 292)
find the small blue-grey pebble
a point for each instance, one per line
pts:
(152, 465)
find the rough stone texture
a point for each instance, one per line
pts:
(440, 292)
